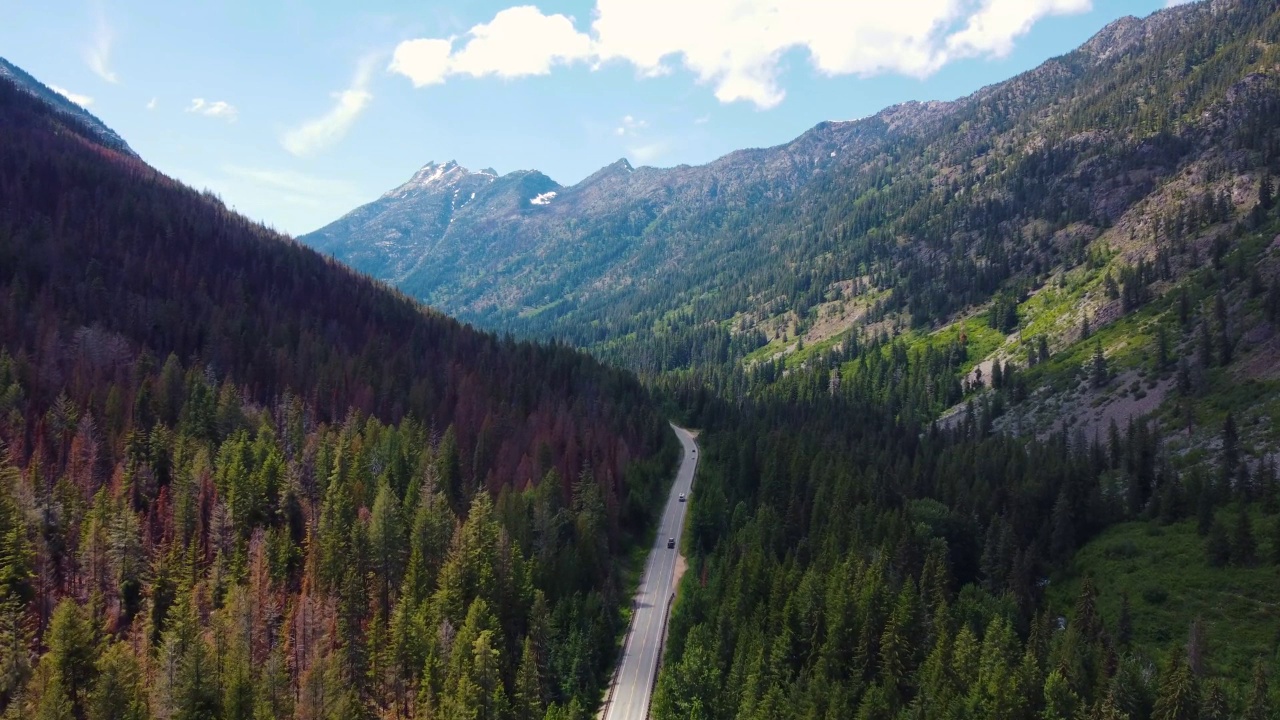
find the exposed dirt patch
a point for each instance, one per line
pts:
(834, 318)
(1264, 362)
(1087, 410)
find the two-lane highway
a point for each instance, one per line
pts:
(639, 663)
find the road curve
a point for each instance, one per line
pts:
(638, 666)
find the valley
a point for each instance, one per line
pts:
(985, 392)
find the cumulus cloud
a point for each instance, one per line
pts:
(216, 109)
(83, 101)
(322, 132)
(97, 55)
(992, 30)
(518, 42)
(734, 46)
(424, 62)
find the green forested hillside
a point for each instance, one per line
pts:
(852, 559)
(1090, 529)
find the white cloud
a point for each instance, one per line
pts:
(98, 53)
(322, 132)
(630, 126)
(518, 42)
(83, 101)
(151, 104)
(992, 30)
(736, 46)
(424, 62)
(217, 109)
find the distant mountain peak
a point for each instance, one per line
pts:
(435, 176)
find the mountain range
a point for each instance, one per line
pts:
(917, 213)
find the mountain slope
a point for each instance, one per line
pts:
(913, 214)
(63, 107)
(238, 477)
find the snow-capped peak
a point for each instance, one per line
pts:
(432, 172)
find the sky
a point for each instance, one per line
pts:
(296, 111)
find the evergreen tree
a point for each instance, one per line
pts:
(1179, 695)
(120, 690)
(529, 701)
(1244, 549)
(1229, 454)
(1218, 546)
(71, 659)
(1098, 374)
(1258, 706)
(386, 533)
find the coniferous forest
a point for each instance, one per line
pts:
(240, 481)
(989, 432)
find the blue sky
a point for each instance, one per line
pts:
(296, 111)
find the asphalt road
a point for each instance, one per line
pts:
(638, 667)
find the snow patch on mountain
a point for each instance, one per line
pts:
(543, 199)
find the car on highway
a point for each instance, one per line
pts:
(681, 497)
(671, 542)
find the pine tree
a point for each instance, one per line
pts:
(1098, 374)
(1218, 545)
(386, 534)
(1162, 349)
(529, 696)
(1179, 696)
(71, 657)
(1229, 454)
(1244, 549)
(1259, 703)
(1214, 705)
(1062, 528)
(1060, 701)
(120, 690)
